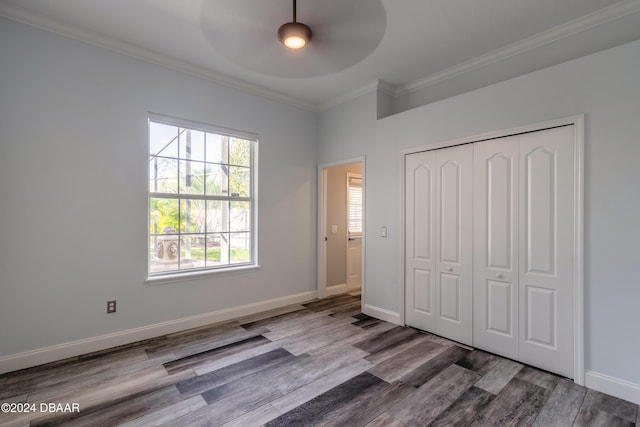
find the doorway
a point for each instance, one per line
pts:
(341, 227)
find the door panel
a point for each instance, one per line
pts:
(540, 226)
(499, 308)
(450, 297)
(495, 291)
(546, 216)
(422, 291)
(454, 186)
(423, 244)
(540, 314)
(500, 206)
(450, 201)
(420, 242)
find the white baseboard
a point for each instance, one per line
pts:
(382, 314)
(336, 289)
(39, 356)
(614, 386)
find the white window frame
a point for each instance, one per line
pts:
(226, 269)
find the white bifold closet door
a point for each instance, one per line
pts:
(438, 242)
(490, 245)
(523, 248)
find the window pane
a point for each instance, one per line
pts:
(192, 251)
(216, 179)
(213, 245)
(239, 181)
(217, 216)
(240, 247)
(191, 145)
(240, 216)
(217, 249)
(163, 175)
(192, 216)
(191, 177)
(164, 253)
(216, 148)
(239, 152)
(164, 216)
(163, 140)
(198, 177)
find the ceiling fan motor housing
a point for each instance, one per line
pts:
(294, 30)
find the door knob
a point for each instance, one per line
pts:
(450, 269)
(499, 276)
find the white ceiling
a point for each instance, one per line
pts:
(408, 44)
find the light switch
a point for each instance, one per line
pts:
(383, 231)
(334, 228)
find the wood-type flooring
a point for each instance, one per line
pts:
(318, 364)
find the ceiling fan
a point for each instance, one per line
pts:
(294, 35)
(344, 33)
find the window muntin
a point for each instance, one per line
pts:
(201, 197)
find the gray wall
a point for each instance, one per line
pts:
(337, 215)
(73, 187)
(606, 87)
(73, 182)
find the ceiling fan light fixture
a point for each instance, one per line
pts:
(294, 35)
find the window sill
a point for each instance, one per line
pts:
(195, 275)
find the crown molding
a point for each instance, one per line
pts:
(146, 55)
(387, 88)
(576, 26)
(371, 87)
(378, 85)
(613, 12)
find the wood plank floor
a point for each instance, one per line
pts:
(321, 363)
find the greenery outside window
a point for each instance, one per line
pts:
(202, 207)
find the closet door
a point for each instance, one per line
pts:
(546, 217)
(420, 258)
(454, 186)
(495, 272)
(438, 252)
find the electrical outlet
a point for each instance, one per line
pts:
(111, 306)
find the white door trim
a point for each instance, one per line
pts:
(578, 290)
(321, 264)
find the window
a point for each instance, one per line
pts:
(354, 205)
(201, 197)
